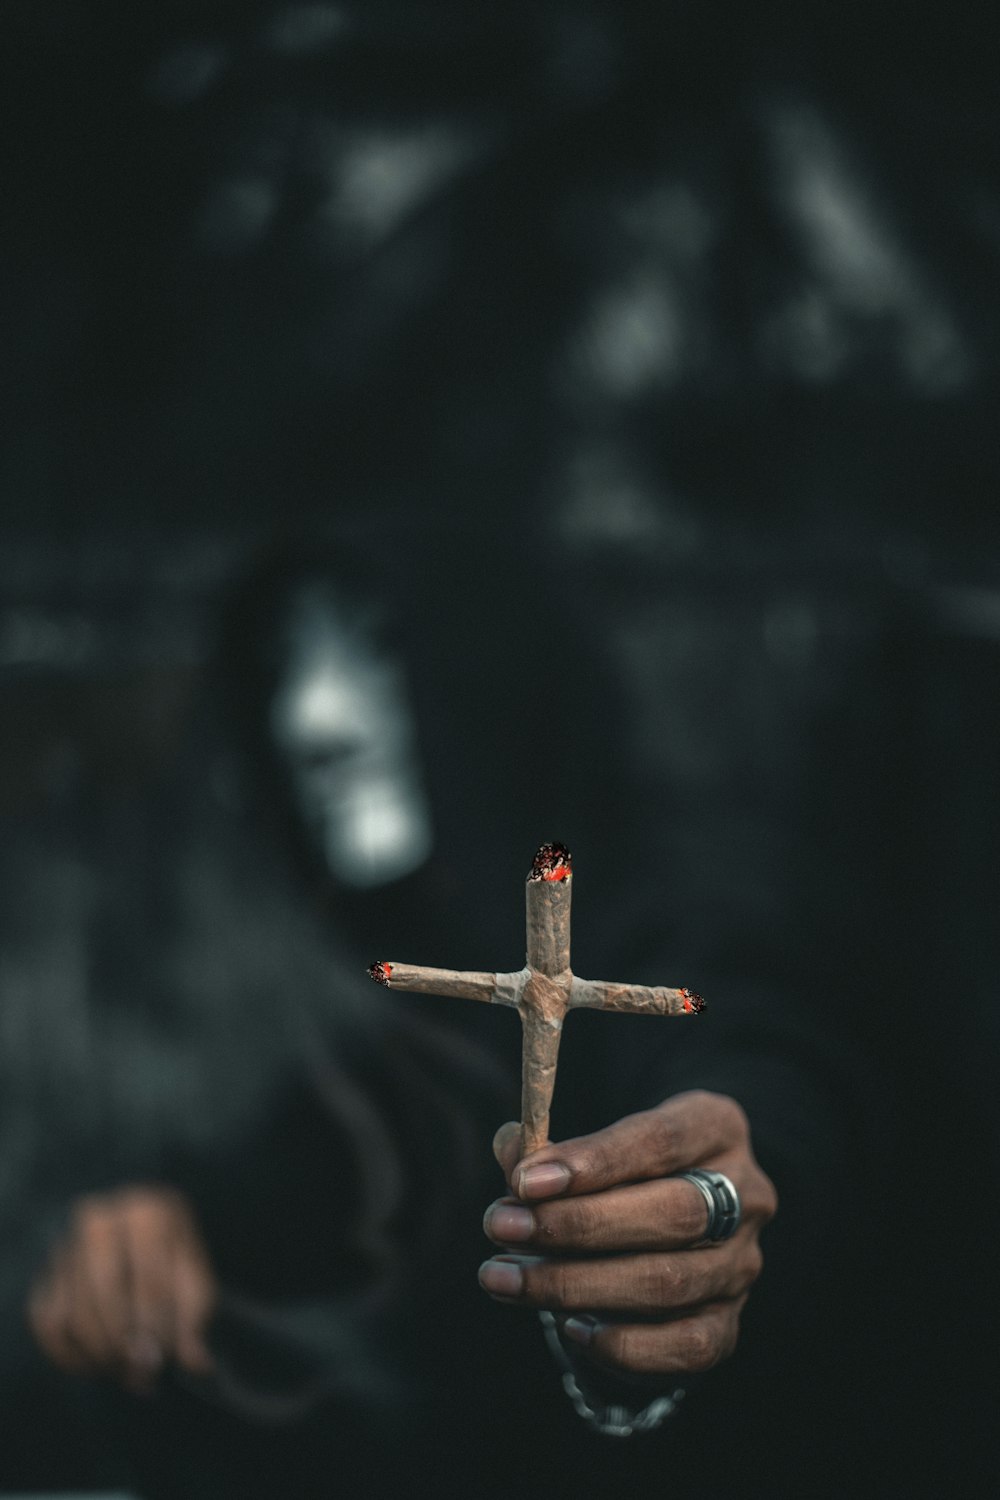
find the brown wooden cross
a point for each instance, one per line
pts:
(543, 991)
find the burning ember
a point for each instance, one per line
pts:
(552, 862)
(380, 973)
(693, 1004)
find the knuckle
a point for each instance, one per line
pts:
(769, 1194)
(744, 1266)
(667, 1283)
(701, 1097)
(732, 1335)
(753, 1264)
(735, 1116)
(595, 1163)
(695, 1097)
(556, 1286)
(699, 1347)
(666, 1137)
(760, 1198)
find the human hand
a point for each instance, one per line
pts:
(599, 1232)
(128, 1287)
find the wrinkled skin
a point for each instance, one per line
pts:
(595, 1230)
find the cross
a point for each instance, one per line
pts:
(543, 991)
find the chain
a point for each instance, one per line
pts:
(610, 1419)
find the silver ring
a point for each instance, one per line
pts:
(722, 1200)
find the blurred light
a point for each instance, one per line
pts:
(632, 337)
(381, 176)
(850, 249)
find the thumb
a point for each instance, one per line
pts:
(507, 1147)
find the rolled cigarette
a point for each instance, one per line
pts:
(472, 985)
(548, 899)
(655, 1000)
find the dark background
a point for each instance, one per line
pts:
(701, 296)
(693, 307)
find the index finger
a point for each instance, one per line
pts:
(683, 1131)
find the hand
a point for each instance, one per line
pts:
(127, 1288)
(613, 1241)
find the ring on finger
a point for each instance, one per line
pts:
(721, 1199)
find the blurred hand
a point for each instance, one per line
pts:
(605, 1238)
(129, 1287)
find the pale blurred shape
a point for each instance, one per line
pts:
(380, 177)
(868, 287)
(343, 721)
(631, 340)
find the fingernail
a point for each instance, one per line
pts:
(502, 1278)
(503, 1135)
(542, 1181)
(509, 1222)
(581, 1330)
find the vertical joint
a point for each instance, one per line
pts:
(547, 912)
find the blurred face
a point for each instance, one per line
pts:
(343, 722)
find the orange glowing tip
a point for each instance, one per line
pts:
(693, 1004)
(552, 862)
(380, 972)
